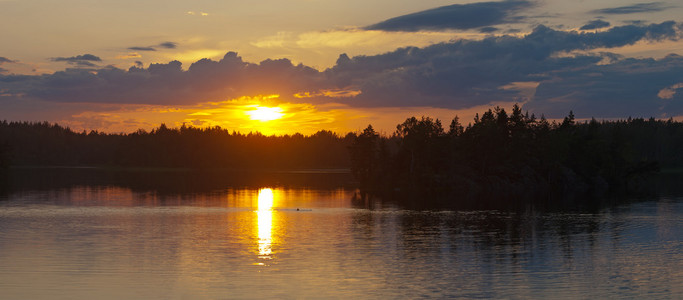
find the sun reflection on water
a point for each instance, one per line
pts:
(265, 223)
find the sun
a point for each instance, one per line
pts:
(264, 113)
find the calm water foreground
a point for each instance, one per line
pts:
(93, 235)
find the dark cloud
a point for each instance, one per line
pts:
(633, 9)
(595, 24)
(167, 83)
(85, 60)
(466, 73)
(629, 87)
(488, 29)
(84, 57)
(457, 16)
(168, 45)
(165, 45)
(141, 49)
(5, 60)
(637, 22)
(458, 74)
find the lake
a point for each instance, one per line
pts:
(96, 234)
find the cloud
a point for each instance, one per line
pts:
(457, 16)
(276, 41)
(332, 93)
(630, 87)
(370, 39)
(670, 92)
(633, 9)
(551, 71)
(5, 60)
(465, 73)
(167, 83)
(201, 13)
(129, 55)
(85, 60)
(142, 49)
(488, 29)
(595, 24)
(165, 45)
(168, 45)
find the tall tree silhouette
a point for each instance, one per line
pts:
(364, 156)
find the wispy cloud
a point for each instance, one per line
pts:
(4, 60)
(633, 9)
(85, 60)
(201, 13)
(164, 45)
(488, 29)
(168, 45)
(369, 40)
(129, 55)
(142, 49)
(595, 24)
(278, 40)
(670, 92)
(457, 16)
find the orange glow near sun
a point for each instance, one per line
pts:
(264, 113)
(267, 114)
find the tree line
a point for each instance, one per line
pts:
(499, 155)
(46, 144)
(514, 156)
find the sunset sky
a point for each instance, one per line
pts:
(304, 65)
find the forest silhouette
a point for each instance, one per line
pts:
(45, 144)
(515, 156)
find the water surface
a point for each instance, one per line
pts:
(90, 238)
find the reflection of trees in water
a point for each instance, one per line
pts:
(478, 251)
(542, 236)
(4, 183)
(166, 182)
(665, 184)
(517, 238)
(364, 200)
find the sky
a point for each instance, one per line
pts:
(281, 67)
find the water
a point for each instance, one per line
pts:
(92, 237)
